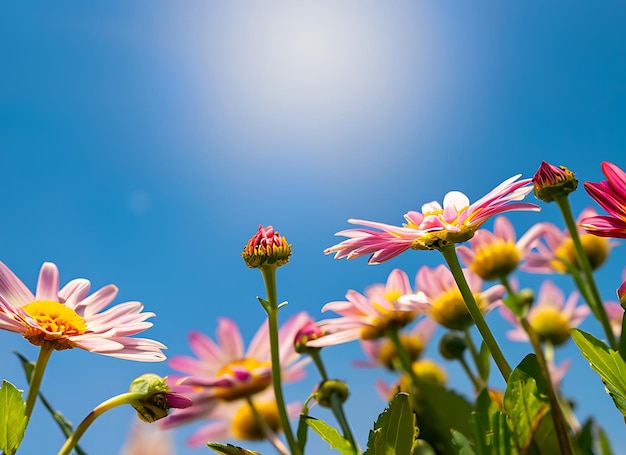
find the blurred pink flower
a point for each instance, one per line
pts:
(615, 312)
(438, 294)
(610, 194)
(223, 372)
(550, 248)
(493, 255)
(147, 439)
(551, 316)
(368, 316)
(455, 221)
(69, 318)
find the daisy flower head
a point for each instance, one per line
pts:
(551, 317)
(437, 225)
(610, 194)
(223, 371)
(551, 249)
(368, 316)
(65, 318)
(383, 352)
(443, 300)
(494, 255)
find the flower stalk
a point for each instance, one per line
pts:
(35, 381)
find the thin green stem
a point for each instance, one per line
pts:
(35, 382)
(478, 383)
(317, 359)
(271, 436)
(583, 261)
(560, 424)
(337, 408)
(472, 347)
(449, 254)
(269, 277)
(124, 398)
(403, 354)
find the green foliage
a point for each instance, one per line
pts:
(229, 449)
(607, 363)
(524, 401)
(462, 444)
(394, 431)
(485, 362)
(12, 418)
(331, 436)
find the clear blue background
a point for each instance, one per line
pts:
(141, 144)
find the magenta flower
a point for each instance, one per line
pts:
(438, 295)
(552, 249)
(551, 316)
(368, 316)
(68, 317)
(224, 372)
(611, 195)
(494, 255)
(454, 222)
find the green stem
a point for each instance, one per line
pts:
(478, 383)
(560, 424)
(583, 260)
(403, 354)
(124, 398)
(449, 254)
(35, 382)
(271, 436)
(269, 277)
(337, 408)
(472, 348)
(317, 359)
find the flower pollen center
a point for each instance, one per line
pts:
(450, 310)
(391, 319)
(56, 323)
(250, 376)
(246, 427)
(495, 260)
(550, 325)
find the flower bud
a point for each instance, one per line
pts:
(156, 399)
(266, 249)
(552, 181)
(452, 346)
(309, 332)
(621, 294)
(329, 388)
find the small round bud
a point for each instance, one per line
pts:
(331, 387)
(156, 399)
(553, 181)
(452, 346)
(266, 249)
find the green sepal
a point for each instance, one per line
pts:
(282, 304)
(12, 418)
(484, 364)
(394, 431)
(608, 363)
(265, 304)
(622, 339)
(331, 436)
(229, 449)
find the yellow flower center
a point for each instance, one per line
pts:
(56, 323)
(388, 353)
(550, 325)
(596, 248)
(246, 427)
(450, 310)
(430, 371)
(254, 384)
(393, 319)
(495, 260)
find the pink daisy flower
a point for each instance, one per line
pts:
(550, 249)
(147, 439)
(438, 294)
(615, 313)
(224, 372)
(611, 195)
(367, 316)
(68, 317)
(455, 221)
(551, 316)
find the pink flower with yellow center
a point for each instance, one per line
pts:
(453, 222)
(615, 313)
(224, 372)
(68, 317)
(551, 316)
(382, 352)
(368, 316)
(439, 296)
(494, 255)
(611, 195)
(552, 249)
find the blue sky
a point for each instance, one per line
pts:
(141, 144)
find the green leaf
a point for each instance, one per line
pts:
(485, 362)
(394, 431)
(229, 449)
(502, 436)
(605, 446)
(461, 442)
(302, 432)
(523, 401)
(482, 416)
(12, 418)
(607, 363)
(331, 436)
